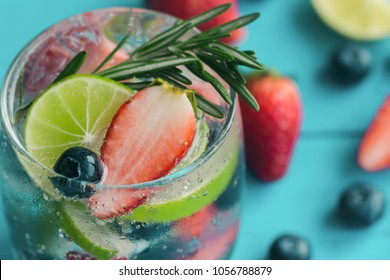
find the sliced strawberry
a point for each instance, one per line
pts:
(148, 136)
(374, 150)
(62, 44)
(77, 256)
(216, 248)
(192, 226)
(110, 203)
(146, 139)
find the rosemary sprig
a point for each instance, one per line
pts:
(160, 57)
(131, 71)
(72, 67)
(108, 57)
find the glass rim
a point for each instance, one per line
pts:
(8, 127)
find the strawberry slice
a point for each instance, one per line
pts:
(216, 248)
(374, 150)
(62, 44)
(110, 203)
(146, 139)
(192, 226)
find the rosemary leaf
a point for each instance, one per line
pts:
(240, 57)
(168, 79)
(177, 76)
(197, 69)
(20, 84)
(241, 90)
(234, 71)
(208, 107)
(131, 71)
(197, 42)
(161, 41)
(21, 112)
(206, 16)
(72, 67)
(231, 25)
(138, 85)
(218, 53)
(108, 57)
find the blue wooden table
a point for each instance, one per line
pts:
(288, 37)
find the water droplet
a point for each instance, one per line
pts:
(200, 180)
(179, 250)
(164, 247)
(185, 143)
(205, 193)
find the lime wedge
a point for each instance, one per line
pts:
(94, 236)
(73, 112)
(165, 209)
(364, 20)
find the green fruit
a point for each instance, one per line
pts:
(356, 19)
(94, 236)
(164, 210)
(73, 112)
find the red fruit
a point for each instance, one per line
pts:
(271, 134)
(148, 136)
(109, 203)
(58, 50)
(216, 248)
(77, 256)
(192, 226)
(374, 150)
(146, 139)
(188, 8)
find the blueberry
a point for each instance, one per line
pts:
(146, 231)
(351, 63)
(361, 205)
(78, 165)
(289, 247)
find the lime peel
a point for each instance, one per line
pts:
(188, 205)
(356, 19)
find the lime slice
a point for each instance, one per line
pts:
(364, 20)
(162, 208)
(94, 236)
(73, 112)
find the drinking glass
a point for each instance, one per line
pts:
(193, 213)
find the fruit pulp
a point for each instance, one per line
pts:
(195, 212)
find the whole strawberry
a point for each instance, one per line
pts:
(185, 9)
(374, 149)
(271, 134)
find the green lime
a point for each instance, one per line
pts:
(165, 209)
(73, 112)
(94, 236)
(364, 20)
